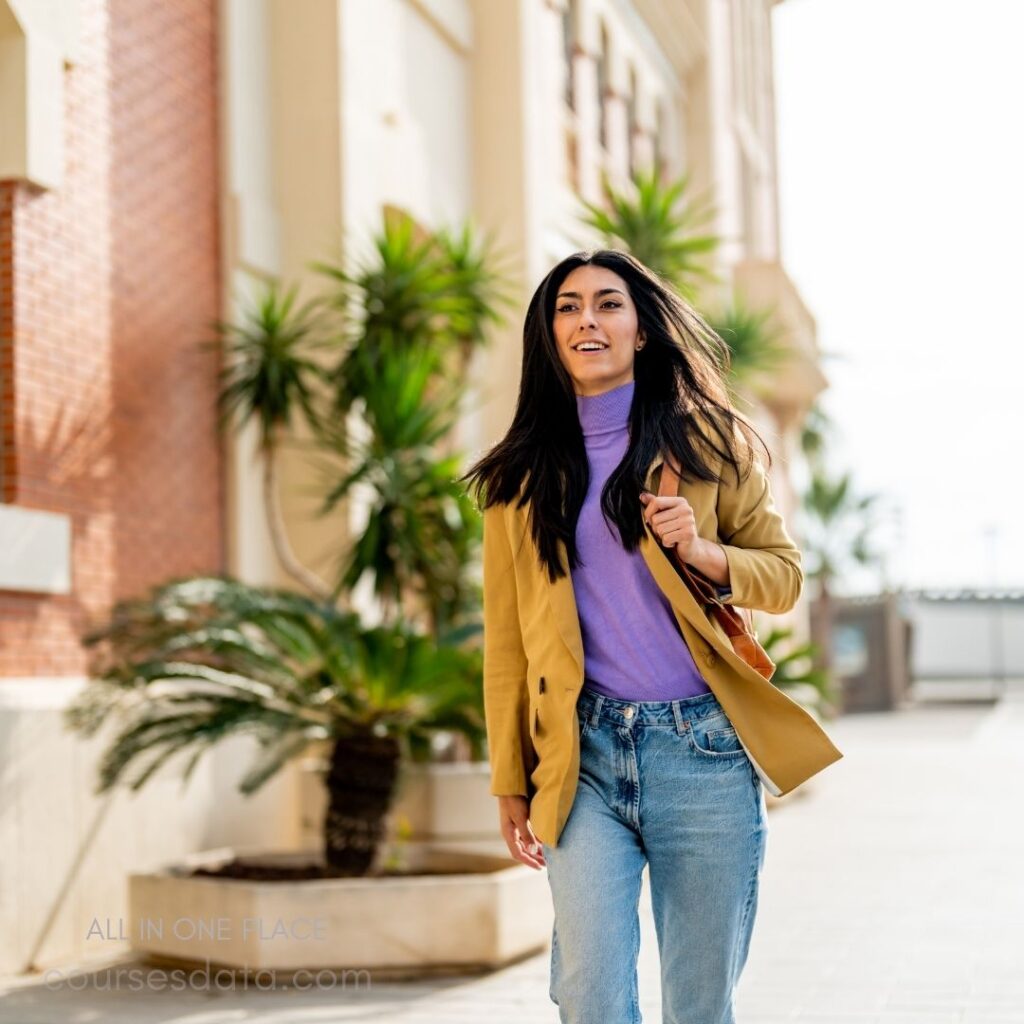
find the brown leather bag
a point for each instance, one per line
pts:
(737, 623)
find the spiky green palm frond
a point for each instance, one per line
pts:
(416, 290)
(267, 376)
(478, 288)
(795, 665)
(201, 659)
(838, 525)
(421, 527)
(755, 347)
(814, 434)
(659, 225)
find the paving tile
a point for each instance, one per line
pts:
(891, 894)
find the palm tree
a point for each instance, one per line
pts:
(814, 434)
(269, 378)
(754, 345)
(413, 314)
(202, 659)
(405, 322)
(422, 528)
(478, 291)
(431, 291)
(837, 534)
(660, 226)
(656, 223)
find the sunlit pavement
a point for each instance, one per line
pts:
(893, 892)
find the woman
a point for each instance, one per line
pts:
(622, 728)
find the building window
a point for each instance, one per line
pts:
(660, 142)
(633, 127)
(569, 52)
(750, 53)
(748, 202)
(572, 158)
(602, 89)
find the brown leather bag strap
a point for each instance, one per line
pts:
(669, 487)
(733, 620)
(738, 623)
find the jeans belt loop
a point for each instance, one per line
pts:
(681, 724)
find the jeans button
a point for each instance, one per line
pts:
(628, 712)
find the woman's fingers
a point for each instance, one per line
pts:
(671, 517)
(534, 859)
(522, 844)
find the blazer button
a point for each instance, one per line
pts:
(711, 657)
(540, 688)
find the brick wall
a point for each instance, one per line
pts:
(106, 285)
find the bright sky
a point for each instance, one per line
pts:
(902, 202)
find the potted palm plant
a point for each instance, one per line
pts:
(201, 659)
(412, 316)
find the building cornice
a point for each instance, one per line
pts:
(676, 30)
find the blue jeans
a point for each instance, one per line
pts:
(668, 784)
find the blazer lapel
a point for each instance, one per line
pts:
(675, 589)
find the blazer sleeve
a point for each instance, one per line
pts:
(506, 700)
(765, 565)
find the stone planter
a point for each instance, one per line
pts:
(481, 912)
(447, 804)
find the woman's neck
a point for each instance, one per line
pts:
(607, 412)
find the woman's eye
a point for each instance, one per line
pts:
(568, 306)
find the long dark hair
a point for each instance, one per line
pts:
(679, 377)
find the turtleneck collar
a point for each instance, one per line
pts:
(605, 413)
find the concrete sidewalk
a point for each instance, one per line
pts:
(893, 893)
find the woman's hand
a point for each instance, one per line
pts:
(517, 832)
(673, 523)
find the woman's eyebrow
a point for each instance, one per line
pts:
(597, 294)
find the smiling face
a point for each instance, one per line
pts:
(593, 306)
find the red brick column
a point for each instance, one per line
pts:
(107, 283)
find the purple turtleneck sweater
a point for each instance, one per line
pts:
(633, 648)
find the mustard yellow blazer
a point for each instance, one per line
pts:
(533, 648)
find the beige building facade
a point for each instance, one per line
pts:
(325, 113)
(505, 112)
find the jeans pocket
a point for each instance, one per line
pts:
(715, 737)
